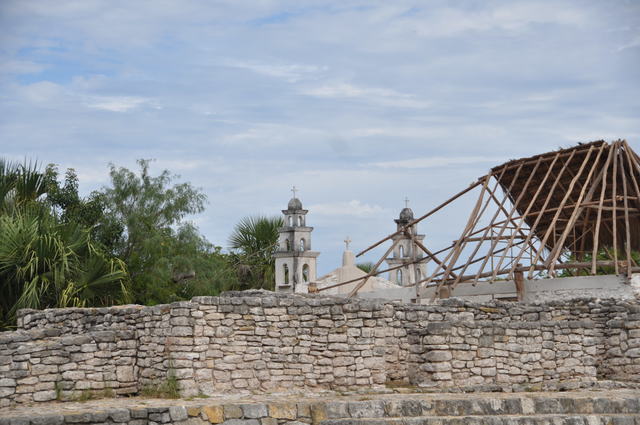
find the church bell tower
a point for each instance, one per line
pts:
(406, 252)
(295, 262)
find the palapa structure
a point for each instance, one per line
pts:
(575, 210)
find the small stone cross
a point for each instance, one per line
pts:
(294, 190)
(347, 242)
(406, 202)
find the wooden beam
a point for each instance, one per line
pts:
(419, 219)
(626, 211)
(615, 221)
(584, 194)
(539, 215)
(564, 200)
(493, 219)
(373, 270)
(471, 223)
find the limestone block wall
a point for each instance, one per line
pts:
(261, 341)
(243, 341)
(506, 344)
(44, 365)
(277, 343)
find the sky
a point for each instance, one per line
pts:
(359, 104)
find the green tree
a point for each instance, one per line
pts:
(253, 242)
(46, 261)
(161, 251)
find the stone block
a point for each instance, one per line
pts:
(438, 356)
(47, 420)
(44, 395)
(232, 411)
(178, 413)
(283, 410)
(214, 414)
(254, 411)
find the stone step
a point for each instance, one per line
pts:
(610, 419)
(474, 406)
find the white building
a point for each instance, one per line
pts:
(350, 272)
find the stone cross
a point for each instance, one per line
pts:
(294, 190)
(406, 202)
(347, 242)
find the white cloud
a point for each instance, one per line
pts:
(42, 91)
(291, 72)
(116, 103)
(383, 96)
(20, 67)
(353, 208)
(437, 161)
(511, 17)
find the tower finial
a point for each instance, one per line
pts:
(347, 242)
(294, 190)
(406, 202)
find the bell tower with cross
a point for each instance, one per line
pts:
(295, 262)
(406, 252)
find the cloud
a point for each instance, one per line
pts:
(512, 17)
(437, 161)
(291, 73)
(117, 103)
(346, 100)
(382, 96)
(21, 67)
(42, 92)
(353, 208)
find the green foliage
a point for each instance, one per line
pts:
(159, 249)
(604, 254)
(46, 261)
(167, 388)
(128, 242)
(254, 241)
(365, 267)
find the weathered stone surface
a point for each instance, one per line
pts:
(257, 341)
(178, 413)
(214, 414)
(283, 410)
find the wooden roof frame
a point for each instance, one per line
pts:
(574, 201)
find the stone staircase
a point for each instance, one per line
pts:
(560, 408)
(549, 409)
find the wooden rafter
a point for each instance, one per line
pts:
(558, 209)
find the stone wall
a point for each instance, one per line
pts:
(262, 341)
(510, 345)
(42, 365)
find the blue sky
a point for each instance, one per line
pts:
(358, 103)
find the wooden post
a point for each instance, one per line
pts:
(519, 280)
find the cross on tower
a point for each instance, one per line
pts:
(406, 202)
(347, 242)
(294, 190)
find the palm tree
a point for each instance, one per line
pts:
(44, 261)
(253, 242)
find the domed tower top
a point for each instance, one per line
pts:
(294, 204)
(294, 215)
(406, 215)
